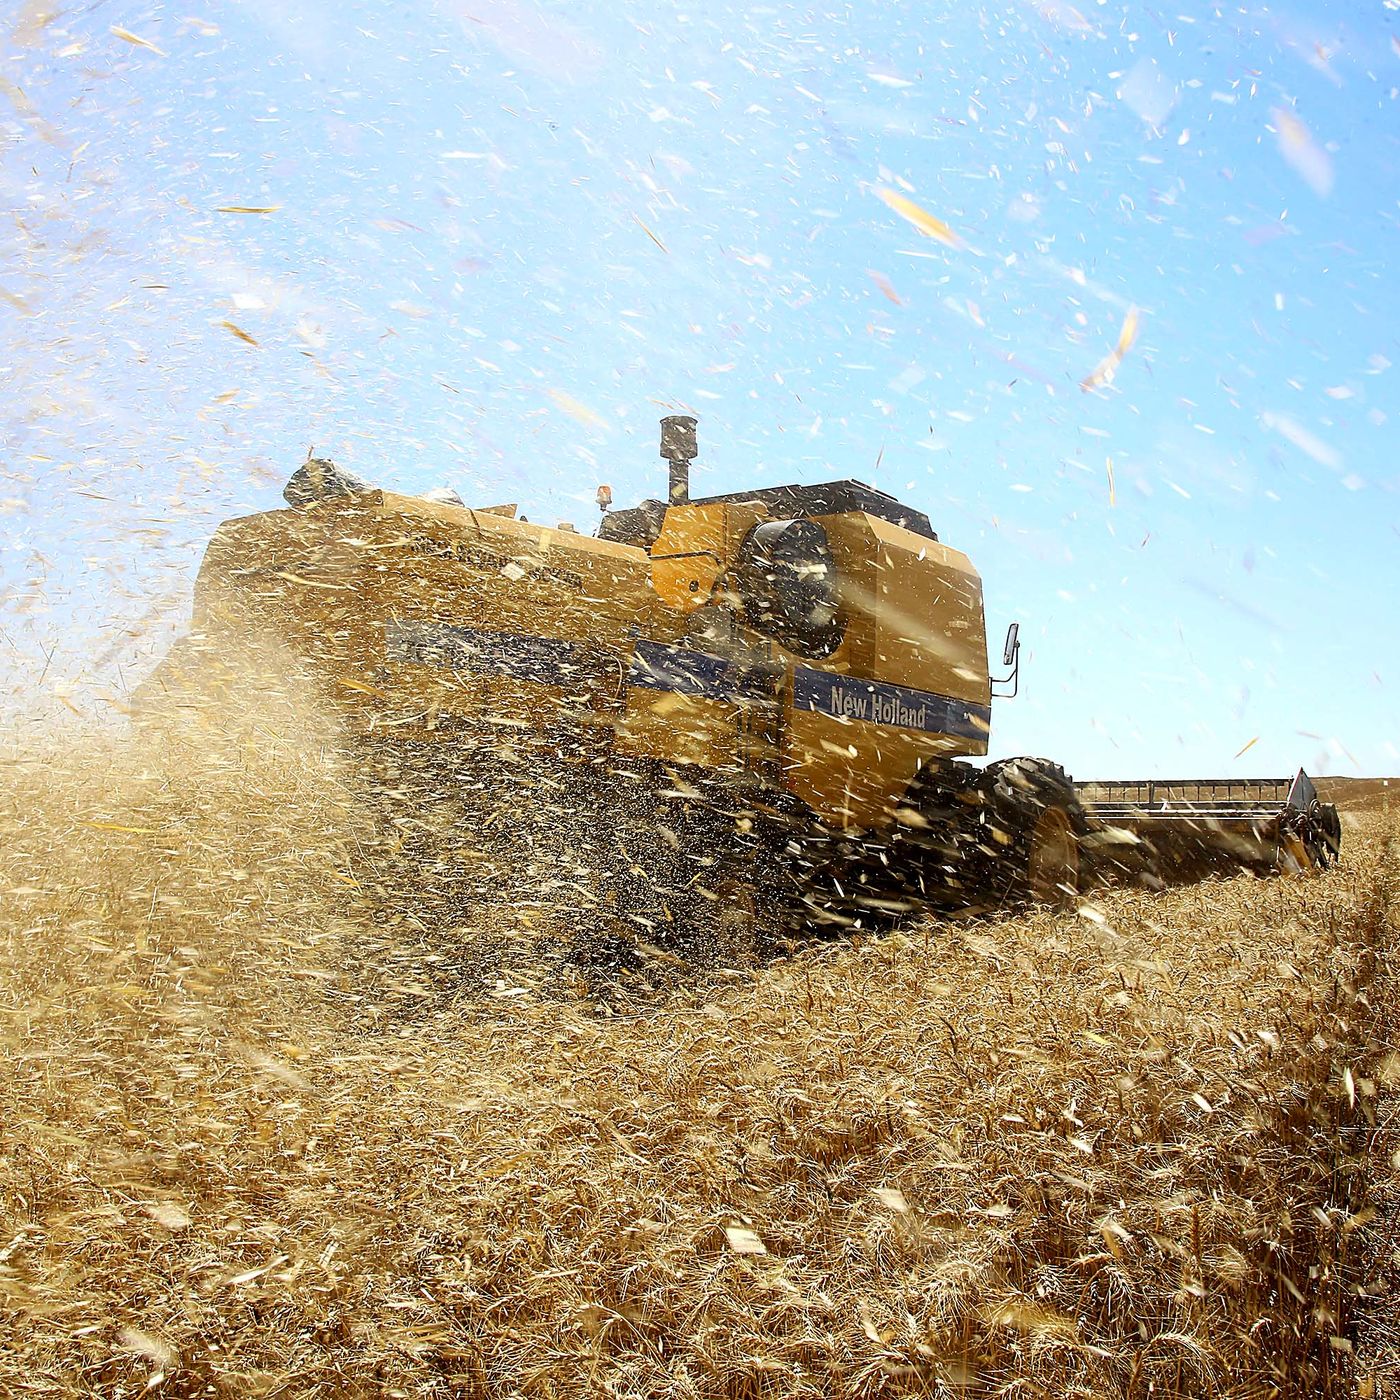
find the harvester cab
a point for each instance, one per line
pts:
(827, 622)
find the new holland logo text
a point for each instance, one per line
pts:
(879, 709)
(880, 702)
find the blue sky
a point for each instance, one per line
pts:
(506, 237)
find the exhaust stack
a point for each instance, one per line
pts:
(678, 447)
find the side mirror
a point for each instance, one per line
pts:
(1010, 656)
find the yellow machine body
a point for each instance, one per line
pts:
(420, 619)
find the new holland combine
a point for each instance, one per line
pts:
(755, 707)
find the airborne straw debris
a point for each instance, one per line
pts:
(169, 1215)
(239, 332)
(743, 1241)
(128, 37)
(1296, 145)
(1104, 371)
(926, 223)
(651, 235)
(884, 284)
(576, 410)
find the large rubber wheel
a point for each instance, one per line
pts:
(1331, 843)
(1034, 823)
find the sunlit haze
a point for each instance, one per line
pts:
(1103, 290)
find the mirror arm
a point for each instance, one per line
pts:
(1012, 678)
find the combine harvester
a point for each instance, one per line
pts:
(719, 713)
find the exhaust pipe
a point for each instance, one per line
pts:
(678, 447)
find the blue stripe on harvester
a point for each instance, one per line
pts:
(880, 702)
(659, 667)
(551, 661)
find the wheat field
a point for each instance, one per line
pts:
(260, 1139)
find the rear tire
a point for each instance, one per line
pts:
(1035, 823)
(1331, 834)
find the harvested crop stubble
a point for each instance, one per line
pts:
(1082, 1154)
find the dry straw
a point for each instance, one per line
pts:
(261, 1139)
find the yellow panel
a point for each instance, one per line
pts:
(685, 584)
(852, 773)
(688, 556)
(914, 609)
(929, 627)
